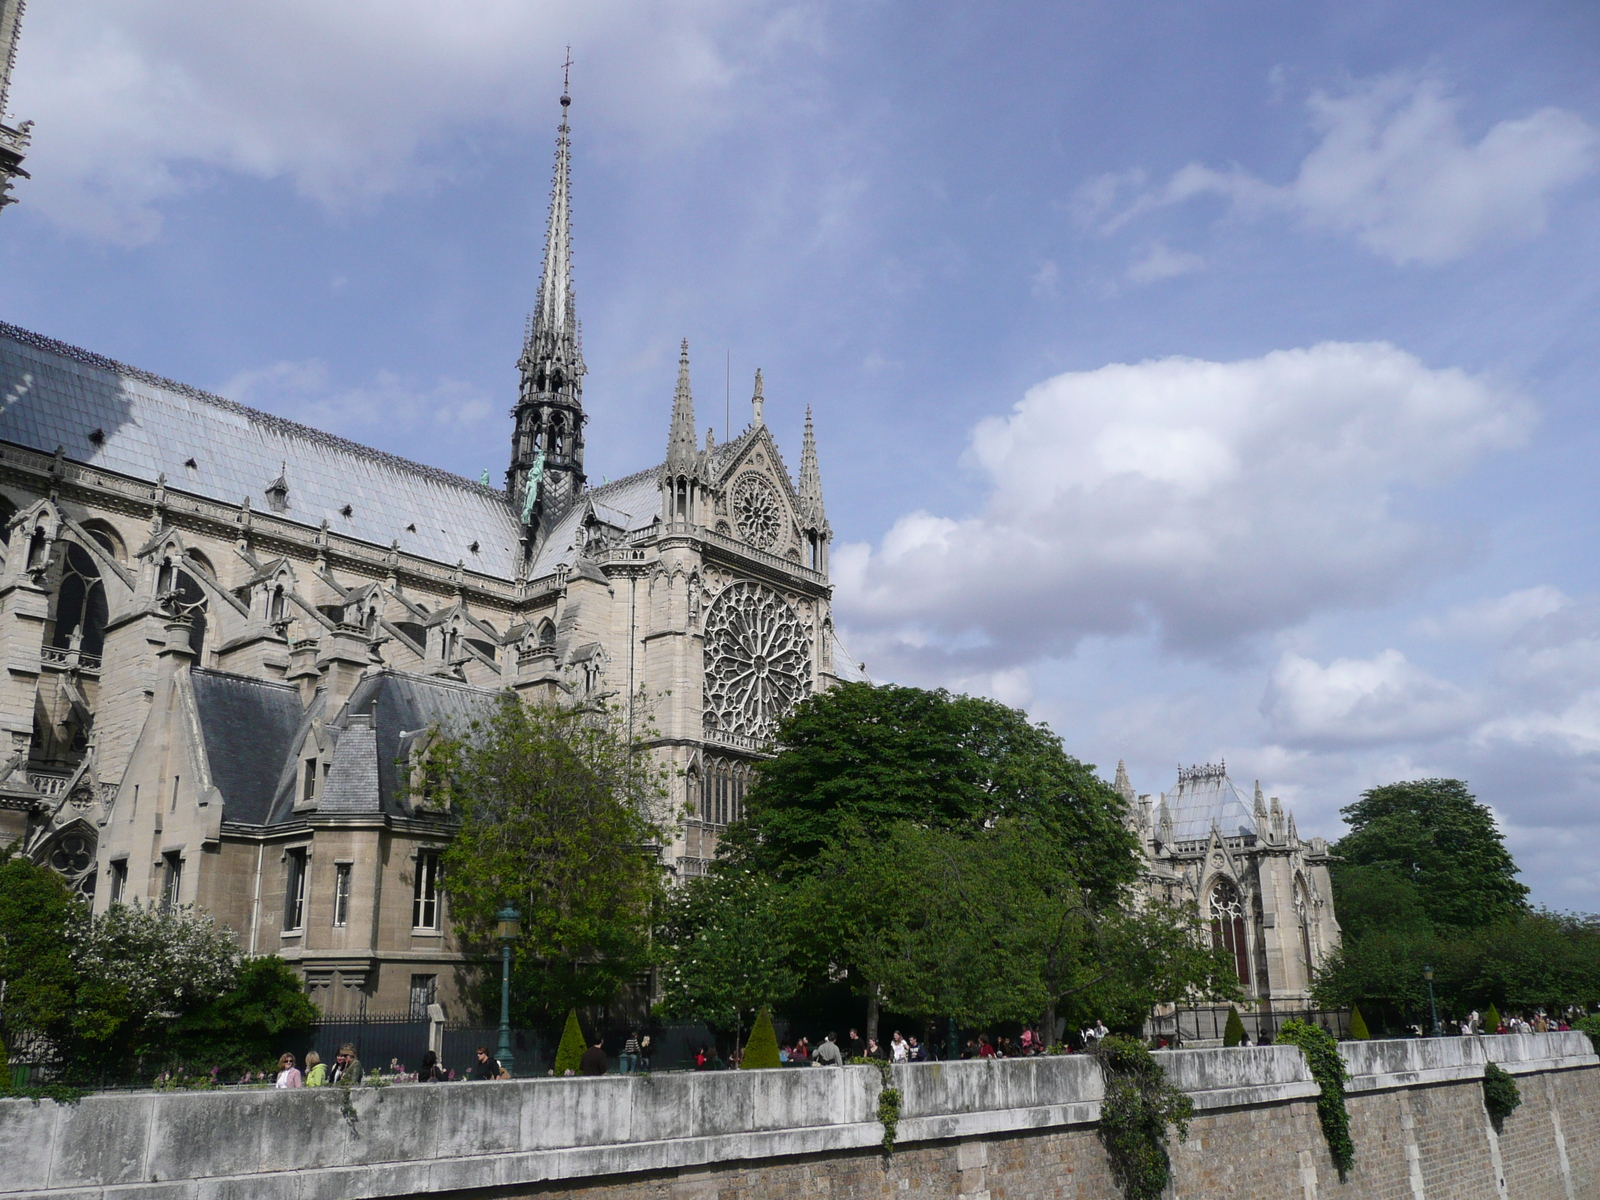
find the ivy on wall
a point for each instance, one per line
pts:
(1138, 1107)
(1327, 1068)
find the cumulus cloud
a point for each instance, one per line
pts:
(1362, 701)
(304, 391)
(1395, 169)
(138, 103)
(1208, 501)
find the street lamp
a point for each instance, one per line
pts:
(1427, 973)
(510, 926)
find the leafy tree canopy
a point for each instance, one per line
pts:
(726, 957)
(1434, 834)
(558, 810)
(880, 755)
(39, 919)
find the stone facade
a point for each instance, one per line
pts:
(13, 138)
(1263, 891)
(1020, 1129)
(225, 636)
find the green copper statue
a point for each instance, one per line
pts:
(535, 477)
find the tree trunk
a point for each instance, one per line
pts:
(1050, 1024)
(872, 1014)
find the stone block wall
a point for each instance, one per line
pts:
(1015, 1130)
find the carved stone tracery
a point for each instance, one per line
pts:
(757, 511)
(758, 660)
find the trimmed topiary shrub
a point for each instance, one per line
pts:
(1500, 1094)
(1327, 1068)
(761, 1050)
(1138, 1107)
(570, 1053)
(1233, 1034)
(1358, 1025)
(1491, 1020)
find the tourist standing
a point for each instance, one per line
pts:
(347, 1068)
(827, 1054)
(646, 1049)
(431, 1071)
(630, 1052)
(316, 1070)
(899, 1051)
(593, 1061)
(487, 1068)
(288, 1074)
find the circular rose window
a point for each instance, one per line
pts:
(758, 661)
(757, 511)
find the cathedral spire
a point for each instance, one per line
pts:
(813, 520)
(683, 451)
(546, 471)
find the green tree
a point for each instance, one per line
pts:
(1358, 1025)
(558, 812)
(880, 755)
(1434, 834)
(762, 1050)
(569, 1054)
(1377, 898)
(1233, 1034)
(724, 956)
(252, 1023)
(40, 919)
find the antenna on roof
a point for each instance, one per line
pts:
(727, 398)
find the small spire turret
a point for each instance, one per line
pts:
(813, 519)
(757, 403)
(683, 454)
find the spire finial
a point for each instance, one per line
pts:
(811, 511)
(757, 402)
(566, 79)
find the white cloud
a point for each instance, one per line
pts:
(1356, 701)
(1395, 170)
(1162, 262)
(386, 404)
(138, 103)
(1496, 618)
(1208, 500)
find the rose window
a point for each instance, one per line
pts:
(757, 511)
(758, 661)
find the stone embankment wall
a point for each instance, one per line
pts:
(1016, 1130)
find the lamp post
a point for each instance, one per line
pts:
(1427, 973)
(510, 925)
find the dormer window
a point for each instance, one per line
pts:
(278, 492)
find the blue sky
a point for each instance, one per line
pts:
(1212, 380)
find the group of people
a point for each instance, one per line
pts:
(346, 1070)
(1473, 1024)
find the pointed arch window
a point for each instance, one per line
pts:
(275, 607)
(1302, 912)
(80, 603)
(1227, 926)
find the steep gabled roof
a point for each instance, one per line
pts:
(128, 421)
(248, 728)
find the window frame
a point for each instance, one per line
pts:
(426, 909)
(297, 860)
(341, 894)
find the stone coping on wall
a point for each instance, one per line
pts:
(402, 1140)
(1412, 1062)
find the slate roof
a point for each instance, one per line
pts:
(248, 727)
(629, 503)
(401, 704)
(352, 785)
(1206, 796)
(53, 394)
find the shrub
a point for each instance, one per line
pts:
(1358, 1025)
(1590, 1026)
(570, 1053)
(1139, 1105)
(1233, 1034)
(1491, 1020)
(762, 1049)
(1327, 1068)
(1500, 1094)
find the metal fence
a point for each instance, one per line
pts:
(1209, 1024)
